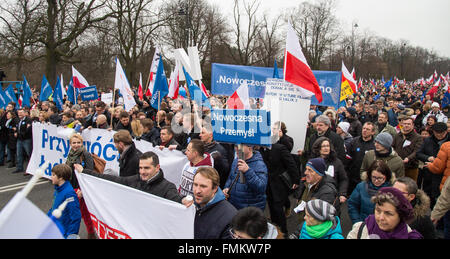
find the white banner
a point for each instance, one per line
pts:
(51, 143)
(121, 212)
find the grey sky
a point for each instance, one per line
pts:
(422, 23)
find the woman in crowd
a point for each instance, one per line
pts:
(359, 204)
(321, 221)
(390, 220)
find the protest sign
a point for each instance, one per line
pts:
(107, 98)
(51, 143)
(121, 212)
(287, 104)
(241, 126)
(225, 79)
(89, 93)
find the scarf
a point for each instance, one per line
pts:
(320, 230)
(73, 156)
(400, 231)
(381, 155)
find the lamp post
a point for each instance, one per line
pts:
(354, 27)
(184, 10)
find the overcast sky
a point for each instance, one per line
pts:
(424, 23)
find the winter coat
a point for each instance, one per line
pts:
(214, 219)
(336, 140)
(335, 232)
(355, 127)
(253, 191)
(220, 157)
(443, 202)
(387, 128)
(405, 150)
(12, 140)
(24, 129)
(439, 116)
(279, 160)
(441, 165)
(355, 155)
(339, 175)
(71, 216)
(129, 161)
(422, 222)
(430, 147)
(394, 162)
(152, 136)
(157, 185)
(87, 162)
(120, 126)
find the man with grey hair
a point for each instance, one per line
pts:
(324, 130)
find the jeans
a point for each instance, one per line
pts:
(22, 145)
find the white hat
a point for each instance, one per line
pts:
(344, 126)
(435, 104)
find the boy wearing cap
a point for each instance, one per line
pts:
(384, 151)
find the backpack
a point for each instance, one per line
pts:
(99, 163)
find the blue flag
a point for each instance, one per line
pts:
(9, 92)
(27, 94)
(58, 95)
(194, 91)
(275, 70)
(3, 98)
(46, 90)
(446, 100)
(72, 93)
(160, 88)
(388, 85)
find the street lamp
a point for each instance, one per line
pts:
(184, 11)
(354, 27)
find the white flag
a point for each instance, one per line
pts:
(121, 212)
(121, 83)
(21, 219)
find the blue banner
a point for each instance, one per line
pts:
(89, 93)
(241, 126)
(225, 79)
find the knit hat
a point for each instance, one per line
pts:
(435, 104)
(352, 111)
(320, 210)
(344, 126)
(318, 165)
(384, 139)
(404, 207)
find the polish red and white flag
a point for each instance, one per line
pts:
(78, 79)
(240, 99)
(296, 68)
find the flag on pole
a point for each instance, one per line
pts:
(9, 92)
(78, 79)
(388, 85)
(160, 87)
(204, 90)
(446, 100)
(296, 68)
(275, 70)
(354, 74)
(72, 93)
(140, 91)
(46, 90)
(27, 94)
(3, 98)
(194, 91)
(121, 83)
(153, 70)
(174, 85)
(346, 76)
(240, 99)
(58, 95)
(63, 88)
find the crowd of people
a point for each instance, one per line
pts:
(385, 154)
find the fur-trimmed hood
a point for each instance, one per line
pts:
(421, 204)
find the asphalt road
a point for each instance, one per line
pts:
(42, 196)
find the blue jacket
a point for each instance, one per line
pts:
(71, 216)
(253, 191)
(359, 204)
(214, 219)
(334, 232)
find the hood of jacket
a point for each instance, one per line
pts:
(207, 161)
(421, 204)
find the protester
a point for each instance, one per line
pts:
(150, 178)
(390, 220)
(436, 112)
(167, 140)
(342, 130)
(8, 131)
(247, 181)
(129, 154)
(359, 204)
(351, 117)
(321, 221)
(124, 122)
(71, 217)
(421, 205)
(195, 153)
(24, 139)
(150, 133)
(213, 212)
(251, 223)
(382, 125)
(384, 151)
(406, 143)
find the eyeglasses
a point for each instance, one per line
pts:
(378, 179)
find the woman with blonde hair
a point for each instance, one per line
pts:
(137, 128)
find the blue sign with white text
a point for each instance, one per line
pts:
(88, 93)
(225, 79)
(241, 126)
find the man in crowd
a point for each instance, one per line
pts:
(406, 143)
(24, 139)
(129, 154)
(382, 125)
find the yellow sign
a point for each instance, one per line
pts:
(346, 90)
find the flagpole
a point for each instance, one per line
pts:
(113, 103)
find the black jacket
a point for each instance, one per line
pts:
(430, 147)
(219, 154)
(24, 129)
(324, 190)
(158, 185)
(120, 126)
(336, 140)
(355, 155)
(129, 161)
(152, 136)
(279, 160)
